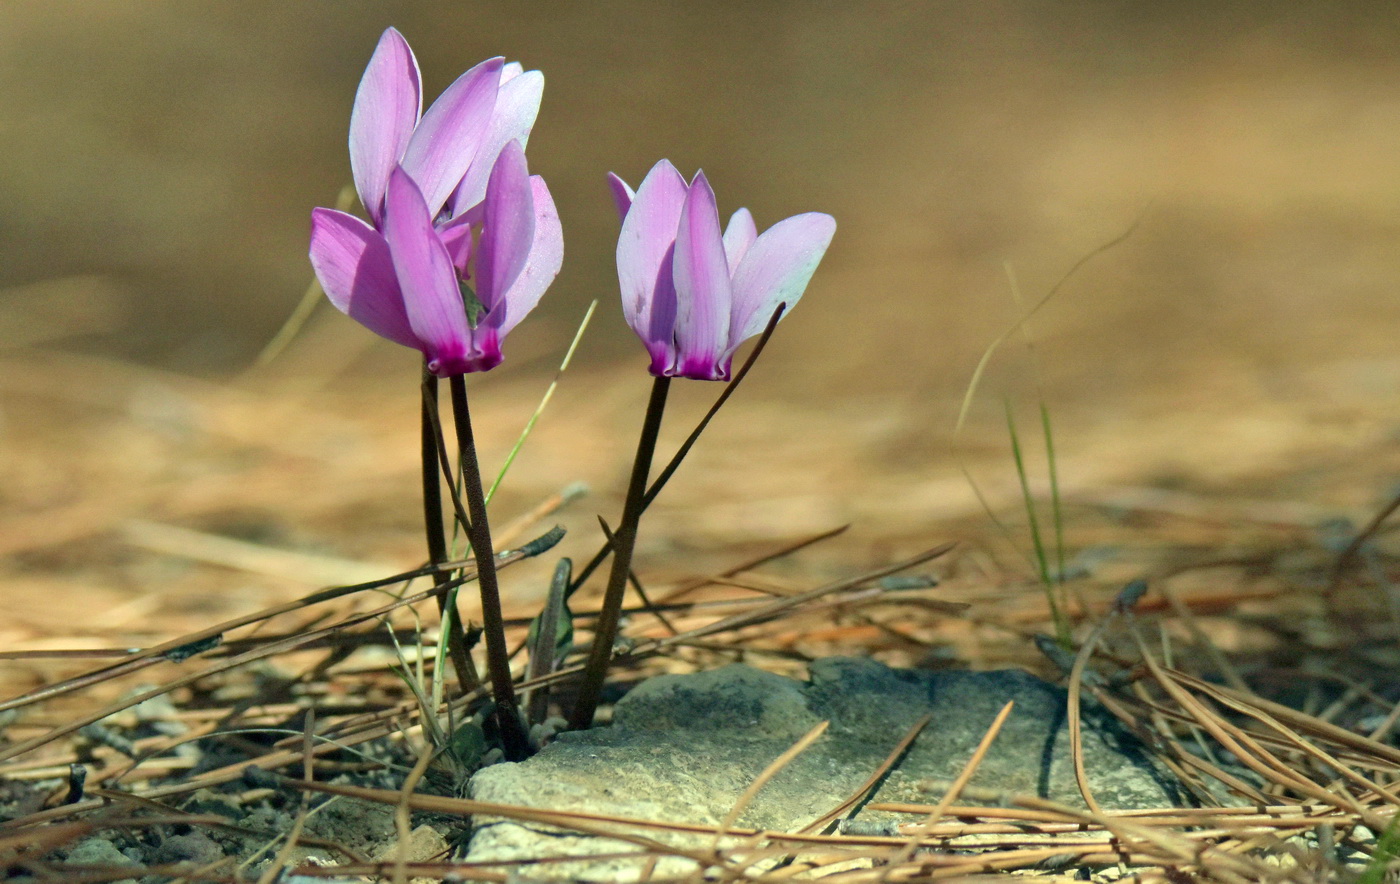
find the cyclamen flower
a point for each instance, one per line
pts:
(450, 150)
(405, 284)
(449, 204)
(692, 294)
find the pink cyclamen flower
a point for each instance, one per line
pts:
(694, 294)
(450, 150)
(405, 276)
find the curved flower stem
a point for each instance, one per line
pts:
(689, 442)
(514, 742)
(605, 628)
(432, 482)
(453, 635)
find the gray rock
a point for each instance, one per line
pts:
(683, 748)
(98, 852)
(196, 847)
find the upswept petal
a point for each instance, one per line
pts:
(352, 263)
(660, 334)
(644, 257)
(507, 226)
(776, 271)
(456, 235)
(738, 236)
(426, 277)
(510, 70)
(517, 106)
(447, 138)
(546, 258)
(703, 291)
(387, 106)
(622, 195)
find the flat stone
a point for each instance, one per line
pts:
(99, 852)
(684, 748)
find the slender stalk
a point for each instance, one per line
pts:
(308, 303)
(637, 587)
(544, 401)
(605, 628)
(1062, 631)
(689, 442)
(432, 486)
(1055, 507)
(514, 742)
(1042, 561)
(453, 636)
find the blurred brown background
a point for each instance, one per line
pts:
(162, 159)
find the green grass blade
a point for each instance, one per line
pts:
(1002, 527)
(440, 667)
(1057, 517)
(413, 678)
(1387, 846)
(1042, 560)
(1056, 511)
(544, 401)
(1042, 563)
(303, 310)
(971, 394)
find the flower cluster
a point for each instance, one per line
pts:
(460, 245)
(452, 205)
(462, 241)
(692, 294)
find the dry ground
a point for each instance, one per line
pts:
(1223, 382)
(1237, 348)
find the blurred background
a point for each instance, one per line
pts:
(1238, 344)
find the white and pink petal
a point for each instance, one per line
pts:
(507, 226)
(703, 293)
(450, 133)
(456, 235)
(546, 257)
(517, 106)
(738, 236)
(776, 270)
(352, 262)
(645, 250)
(427, 278)
(387, 106)
(622, 195)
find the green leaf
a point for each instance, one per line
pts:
(467, 745)
(539, 409)
(563, 630)
(475, 309)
